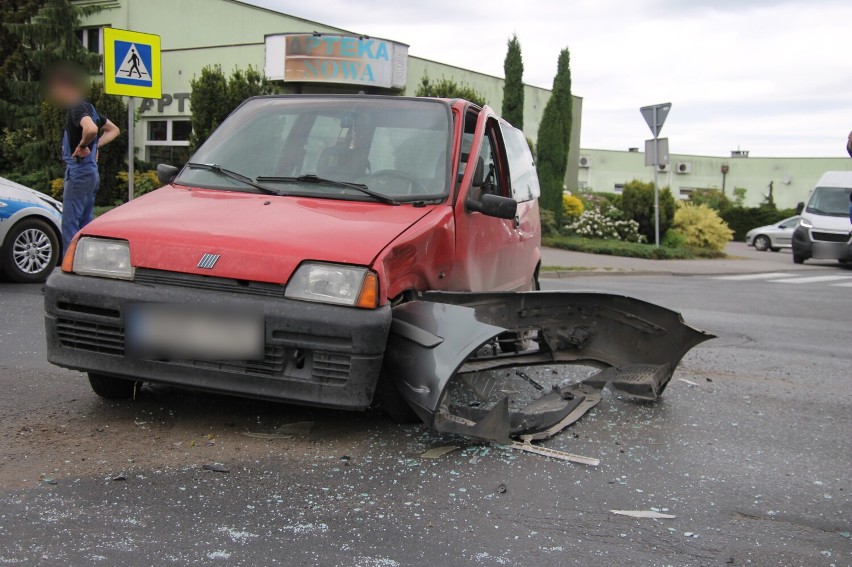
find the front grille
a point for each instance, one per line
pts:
(94, 337)
(829, 236)
(278, 361)
(211, 283)
(272, 366)
(331, 365)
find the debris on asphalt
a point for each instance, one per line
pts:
(691, 534)
(119, 477)
(216, 467)
(553, 453)
(501, 488)
(49, 480)
(267, 436)
(690, 382)
(302, 427)
(643, 514)
(438, 452)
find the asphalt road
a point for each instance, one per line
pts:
(752, 456)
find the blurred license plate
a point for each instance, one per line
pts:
(180, 332)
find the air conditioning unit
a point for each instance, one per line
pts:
(585, 161)
(684, 167)
(664, 168)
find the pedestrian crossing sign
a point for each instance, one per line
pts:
(132, 64)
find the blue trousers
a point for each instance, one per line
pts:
(78, 201)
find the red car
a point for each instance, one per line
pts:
(312, 216)
(307, 235)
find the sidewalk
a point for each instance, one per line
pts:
(741, 260)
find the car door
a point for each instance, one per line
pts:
(524, 189)
(487, 247)
(784, 234)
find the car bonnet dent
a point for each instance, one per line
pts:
(460, 339)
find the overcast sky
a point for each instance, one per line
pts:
(770, 76)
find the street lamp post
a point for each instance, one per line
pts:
(725, 170)
(655, 115)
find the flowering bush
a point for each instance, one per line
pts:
(572, 208)
(595, 224)
(702, 226)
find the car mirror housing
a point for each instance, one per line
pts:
(493, 206)
(166, 173)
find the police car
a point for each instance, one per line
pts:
(30, 229)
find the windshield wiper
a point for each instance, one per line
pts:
(314, 179)
(216, 168)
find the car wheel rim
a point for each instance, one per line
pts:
(760, 244)
(32, 251)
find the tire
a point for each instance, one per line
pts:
(762, 243)
(30, 252)
(798, 259)
(112, 388)
(776, 249)
(388, 399)
(843, 261)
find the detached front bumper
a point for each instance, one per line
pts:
(315, 354)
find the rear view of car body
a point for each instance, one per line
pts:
(30, 225)
(825, 231)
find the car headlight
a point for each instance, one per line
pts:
(102, 257)
(804, 223)
(334, 283)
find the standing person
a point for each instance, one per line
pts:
(85, 131)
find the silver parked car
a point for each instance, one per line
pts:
(773, 236)
(30, 233)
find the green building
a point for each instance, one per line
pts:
(234, 34)
(791, 178)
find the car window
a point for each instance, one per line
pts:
(830, 201)
(790, 223)
(522, 173)
(391, 145)
(493, 181)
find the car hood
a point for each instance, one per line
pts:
(829, 223)
(257, 237)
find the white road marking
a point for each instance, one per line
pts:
(745, 277)
(813, 279)
(847, 284)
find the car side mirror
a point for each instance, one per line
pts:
(800, 207)
(493, 206)
(166, 173)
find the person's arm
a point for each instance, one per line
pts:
(90, 131)
(109, 132)
(849, 144)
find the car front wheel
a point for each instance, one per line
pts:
(31, 251)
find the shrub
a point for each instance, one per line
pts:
(594, 224)
(601, 200)
(713, 198)
(637, 202)
(702, 227)
(143, 182)
(572, 207)
(549, 225)
(673, 239)
(57, 188)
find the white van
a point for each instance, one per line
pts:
(825, 231)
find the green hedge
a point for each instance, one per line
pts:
(627, 249)
(743, 219)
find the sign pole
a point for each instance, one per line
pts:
(655, 116)
(656, 185)
(131, 174)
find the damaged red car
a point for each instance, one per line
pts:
(345, 251)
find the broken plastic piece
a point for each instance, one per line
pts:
(437, 452)
(268, 436)
(216, 467)
(297, 427)
(643, 514)
(553, 453)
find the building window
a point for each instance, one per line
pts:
(167, 141)
(92, 39)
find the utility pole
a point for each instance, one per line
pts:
(655, 115)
